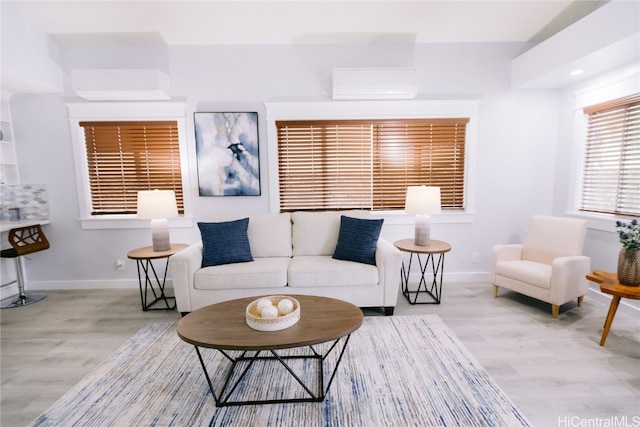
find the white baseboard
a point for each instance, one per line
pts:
(472, 276)
(79, 284)
(628, 307)
(133, 283)
(8, 291)
(631, 308)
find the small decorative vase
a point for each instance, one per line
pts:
(629, 267)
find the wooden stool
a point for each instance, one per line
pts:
(24, 241)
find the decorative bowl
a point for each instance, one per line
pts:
(259, 323)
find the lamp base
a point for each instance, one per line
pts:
(160, 235)
(422, 234)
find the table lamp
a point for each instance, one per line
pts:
(158, 205)
(422, 201)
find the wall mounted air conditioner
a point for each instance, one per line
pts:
(140, 84)
(375, 83)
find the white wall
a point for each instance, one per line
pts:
(29, 60)
(516, 152)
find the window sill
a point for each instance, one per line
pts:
(602, 222)
(401, 218)
(129, 221)
(390, 217)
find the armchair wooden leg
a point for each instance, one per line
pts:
(580, 298)
(495, 291)
(555, 310)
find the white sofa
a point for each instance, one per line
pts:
(292, 254)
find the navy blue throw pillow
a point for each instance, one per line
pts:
(225, 242)
(358, 239)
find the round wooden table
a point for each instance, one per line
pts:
(609, 285)
(434, 291)
(223, 327)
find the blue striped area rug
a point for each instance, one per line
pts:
(396, 371)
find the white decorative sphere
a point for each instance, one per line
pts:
(264, 302)
(285, 306)
(269, 312)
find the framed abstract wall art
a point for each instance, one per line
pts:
(227, 153)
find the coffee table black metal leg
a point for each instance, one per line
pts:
(223, 398)
(206, 374)
(335, 370)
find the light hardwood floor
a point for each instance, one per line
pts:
(553, 370)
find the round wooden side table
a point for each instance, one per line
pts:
(609, 285)
(143, 257)
(434, 291)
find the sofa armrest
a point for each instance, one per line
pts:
(389, 263)
(501, 253)
(568, 278)
(182, 268)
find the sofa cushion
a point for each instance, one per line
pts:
(358, 239)
(316, 233)
(313, 271)
(261, 273)
(270, 235)
(535, 273)
(225, 242)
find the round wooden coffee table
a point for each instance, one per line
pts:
(223, 327)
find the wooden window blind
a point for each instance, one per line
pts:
(611, 178)
(126, 157)
(368, 164)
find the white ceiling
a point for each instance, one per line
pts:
(183, 22)
(28, 26)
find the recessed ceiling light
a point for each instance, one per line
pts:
(575, 73)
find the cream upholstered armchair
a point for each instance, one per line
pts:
(548, 265)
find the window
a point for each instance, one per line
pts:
(122, 147)
(126, 157)
(611, 175)
(368, 164)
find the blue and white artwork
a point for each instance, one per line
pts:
(227, 152)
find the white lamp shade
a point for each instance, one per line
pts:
(422, 200)
(157, 204)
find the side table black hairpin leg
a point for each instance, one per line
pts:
(147, 276)
(434, 289)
